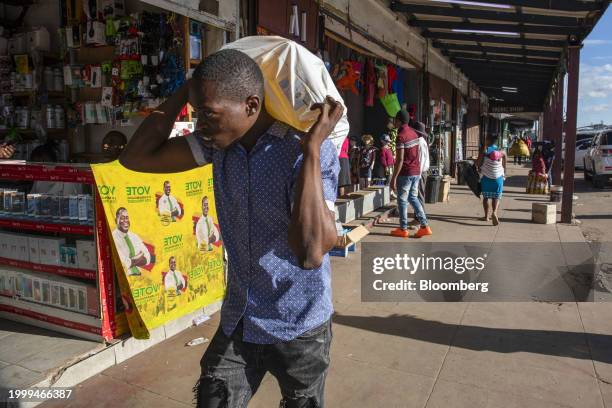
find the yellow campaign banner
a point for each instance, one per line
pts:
(167, 247)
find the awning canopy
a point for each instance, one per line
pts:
(511, 49)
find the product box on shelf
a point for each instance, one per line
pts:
(23, 249)
(7, 200)
(96, 33)
(65, 208)
(14, 246)
(7, 281)
(33, 248)
(3, 245)
(83, 207)
(1, 200)
(51, 290)
(73, 208)
(68, 256)
(18, 203)
(86, 255)
(33, 205)
(49, 250)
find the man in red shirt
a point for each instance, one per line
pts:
(406, 177)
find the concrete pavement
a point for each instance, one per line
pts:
(533, 354)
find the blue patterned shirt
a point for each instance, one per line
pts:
(266, 287)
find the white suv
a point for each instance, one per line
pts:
(598, 160)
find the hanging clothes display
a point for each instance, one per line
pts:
(382, 80)
(391, 76)
(370, 83)
(399, 84)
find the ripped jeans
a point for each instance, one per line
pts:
(232, 369)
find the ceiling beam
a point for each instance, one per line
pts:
(484, 82)
(560, 5)
(510, 28)
(503, 58)
(485, 15)
(503, 65)
(489, 38)
(475, 73)
(504, 50)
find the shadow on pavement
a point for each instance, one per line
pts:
(477, 338)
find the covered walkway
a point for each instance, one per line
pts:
(522, 54)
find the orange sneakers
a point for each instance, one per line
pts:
(423, 231)
(398, 232)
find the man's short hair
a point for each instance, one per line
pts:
(204, 198)
(236, 75)
(403, 116)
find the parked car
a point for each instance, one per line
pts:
(582, 147)
(598, 160)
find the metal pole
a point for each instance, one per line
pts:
(570, 132)
(558, 136)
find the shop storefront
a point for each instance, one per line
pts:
(76, 80)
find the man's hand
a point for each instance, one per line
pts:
(212, 238)
(175, 213)
(331, 112)
(139, 259)
(6, 151)
(393, 184)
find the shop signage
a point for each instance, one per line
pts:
(513, 108)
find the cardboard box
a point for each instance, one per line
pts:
(73, 208)
(68, 256)
(49, 250)
(8, 200)
(4, 251)
(33, 249)
(82, 207)
(86, 255)
(7, 281)
(33, 205)
(351, 235)
(23, 248)
(65, 208)
(544, 213)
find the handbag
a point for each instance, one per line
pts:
(472, 179)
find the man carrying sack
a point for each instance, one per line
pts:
(275, 190)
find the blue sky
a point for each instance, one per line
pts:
(595, 103)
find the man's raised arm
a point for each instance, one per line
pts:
(149, 150)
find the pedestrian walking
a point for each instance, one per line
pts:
(275, 189)
(406, 177)
(492, 165)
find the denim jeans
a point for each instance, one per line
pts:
(232, 369)
(408, 192)
(549, 178)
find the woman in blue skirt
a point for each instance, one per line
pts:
(492, 165)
